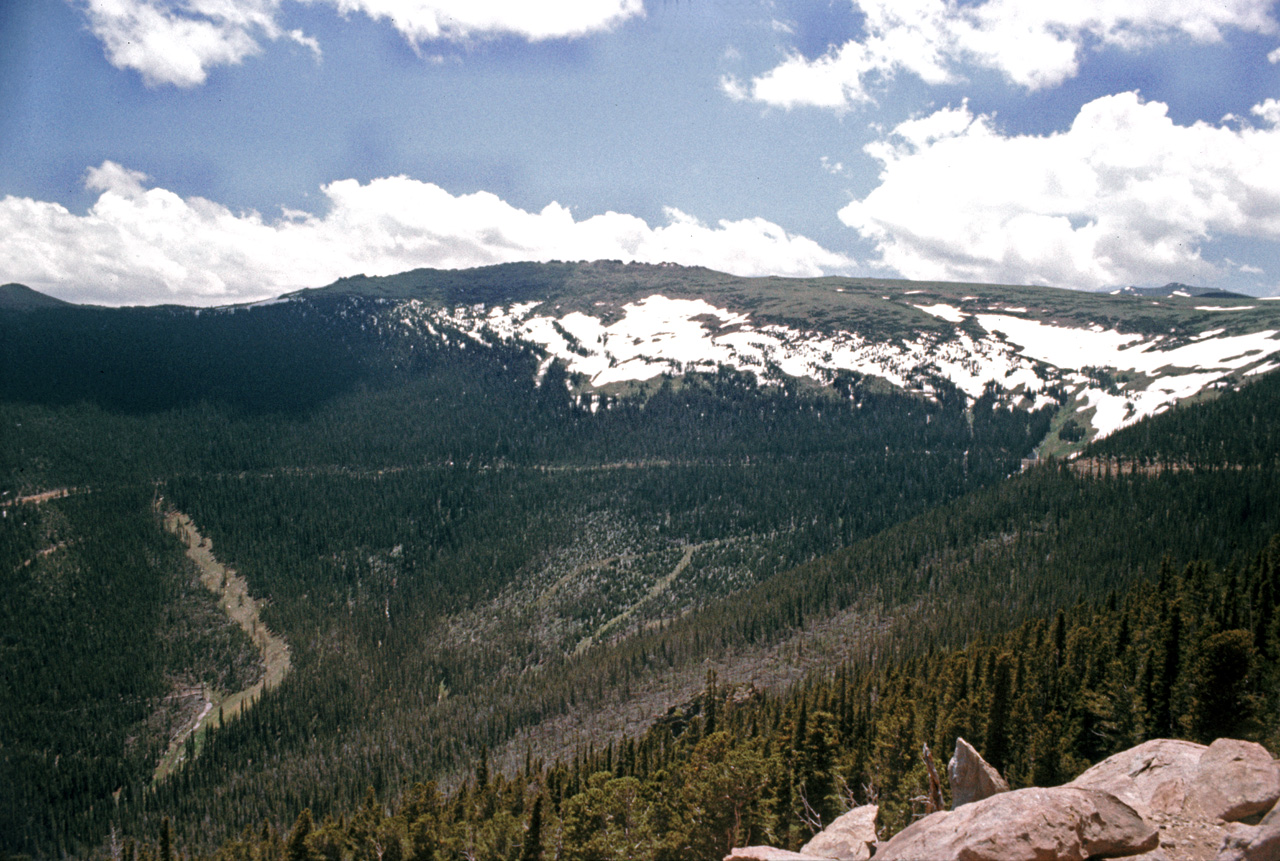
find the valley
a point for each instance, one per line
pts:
(493, 534)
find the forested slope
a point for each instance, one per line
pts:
(381, 494)
(460, 553)
(1193, 655)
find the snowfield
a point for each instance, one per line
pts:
(658, 335)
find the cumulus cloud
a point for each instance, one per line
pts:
(170, 43)
(178, 41)
(143, 245)
(1033, 44)
(423, 20)
(1123, 196)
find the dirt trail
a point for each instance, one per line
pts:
(655, 591)
(241, 608)
(37, 498)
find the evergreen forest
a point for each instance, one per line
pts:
(526, 621)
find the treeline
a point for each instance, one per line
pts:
(137, 394)
(1235, 429)
(1193, 655)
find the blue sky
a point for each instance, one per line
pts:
(217, 151)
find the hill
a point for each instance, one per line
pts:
(17, 297)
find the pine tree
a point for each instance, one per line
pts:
(297, 849)
(166, 840)
(532, 849)
(997, 737)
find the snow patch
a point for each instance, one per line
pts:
(656, 335)
(946, 312)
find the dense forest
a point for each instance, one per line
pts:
(374, 490)
(463, 555)
(1192, 655)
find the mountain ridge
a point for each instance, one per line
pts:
(615, 324)
(1105, 360)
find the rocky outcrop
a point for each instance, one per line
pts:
(1163, 800)
(849, 838)
(1192, 793)
(1027, 825)
(971, 777)
(1229, 780)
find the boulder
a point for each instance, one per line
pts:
(1151, 778)
(1234, 780)
(972, 778)
(1058, 824)
(768, 853)
(1228, 780)
(849, 838)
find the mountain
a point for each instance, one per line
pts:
(1109, 360)
(1174, 289)
(508, 516)
(17, 297)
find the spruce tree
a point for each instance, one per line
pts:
(166, 840)
(532, 849)
(297, 849)
(997, 739)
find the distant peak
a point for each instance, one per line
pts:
(19, 297)
(1175, 289)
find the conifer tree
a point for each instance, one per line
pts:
(997, 738)
(297, 849)
(532, 848)
(166, 840)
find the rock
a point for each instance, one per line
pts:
(972, 778)
(849, 838)
(1227, 780)
(1235, 780)
(1252, 842)
(1183, 839)
(1058, 824)
(1151, 778)
(768, 853)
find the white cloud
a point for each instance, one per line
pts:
(1033, 43)
(172, 44)
(424, 20)
(1269, 111)
(1124, 196)
(140, 245)
(1274, 56)
(178, 41)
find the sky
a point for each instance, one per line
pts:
(210, 152)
